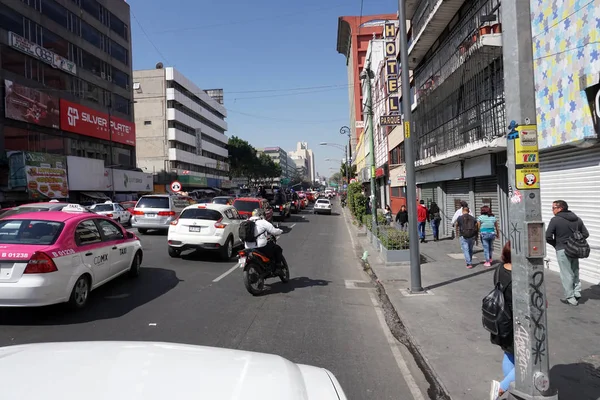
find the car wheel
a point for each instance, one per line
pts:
(174, 253)
(80, 293)
(136, 264)
(227, 249)
(142, 231)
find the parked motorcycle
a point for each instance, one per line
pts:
(257, 268)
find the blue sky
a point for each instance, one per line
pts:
(262, 48)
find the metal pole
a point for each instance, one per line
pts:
(524, 210)
(111, 151)
(411, 185)
(371, 142)
(346, 167)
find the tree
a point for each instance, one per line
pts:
(242, 157)
(337, 178)
(351, 170)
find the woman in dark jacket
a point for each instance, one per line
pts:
(402, 218)
(435, 218)
(504, 276)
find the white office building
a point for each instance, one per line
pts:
(180, 129)
(302, 151)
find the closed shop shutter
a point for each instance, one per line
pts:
(456, 191)
(573, 175)
(429, 194)
(486, 194)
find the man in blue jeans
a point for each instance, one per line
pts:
(466, 230)
(422, 219)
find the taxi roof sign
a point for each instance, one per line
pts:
(74, 208)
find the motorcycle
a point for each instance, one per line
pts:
(257, 268)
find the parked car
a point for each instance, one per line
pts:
(112, 210)
(245, 206)
(173, 370)
(61, 256)
(157, 211)
(322, 206)
(213, 227)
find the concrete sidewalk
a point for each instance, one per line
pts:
(446, 325)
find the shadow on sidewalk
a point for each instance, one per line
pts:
(591, 293)
(460, 278)
(579, 381)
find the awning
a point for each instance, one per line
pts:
(96, 195)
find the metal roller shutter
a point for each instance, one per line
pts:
(429, 194)
(455, 192)
(486, 194)
(573, 175)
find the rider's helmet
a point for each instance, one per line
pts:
(259, 212)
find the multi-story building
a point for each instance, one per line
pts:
(301, 166)
(283, 159)
(302, 151)
(455, 50)
(181, 130)
(353, 37)
(66, 71)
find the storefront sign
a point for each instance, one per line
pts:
(44, 175)
(131, 181)
(34, 50)
(226, 184)
(30, 105)
(391, 76)
(89, 122)
(389, 120)
(192, 181)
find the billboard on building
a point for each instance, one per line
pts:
(26, 104)
(44, 175)
(86, 121)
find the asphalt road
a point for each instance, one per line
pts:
(315, 319)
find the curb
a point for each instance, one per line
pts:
(437, 390)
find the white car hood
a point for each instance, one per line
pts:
(154, 370)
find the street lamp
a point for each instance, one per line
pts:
(345, 149)
(344, 130)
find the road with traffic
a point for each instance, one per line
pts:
(321, 317)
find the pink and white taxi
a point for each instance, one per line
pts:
(61, 256)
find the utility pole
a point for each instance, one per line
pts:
(112, 164)
(409, 148)
(367, 75)
(346, 163)
(524, 209)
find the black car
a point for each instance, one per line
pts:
(279, 202)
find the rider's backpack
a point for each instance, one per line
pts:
(496, 314)
(247, 231)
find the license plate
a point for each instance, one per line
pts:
(151, 215)
(195, 229)
(242, 261)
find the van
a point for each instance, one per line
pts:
(157, 211)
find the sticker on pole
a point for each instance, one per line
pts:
(176, 186)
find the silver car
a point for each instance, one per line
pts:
(157, 211)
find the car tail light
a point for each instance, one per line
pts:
(201, 206)
(40, 263)
(220, 225)
(109, 215)
(166, 213)
(280, 208)
(175, 222)
(137, 212)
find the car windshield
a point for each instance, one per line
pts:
(153, 202)
(246, 206)
(201, 213)
(322, 201)
(22, 210)
(27, 231)
(102, 207)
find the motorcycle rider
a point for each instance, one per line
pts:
(261, 228)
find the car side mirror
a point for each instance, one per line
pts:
(130, 235)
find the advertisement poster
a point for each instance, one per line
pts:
(46, 176)
(30, 105)
(89, 122)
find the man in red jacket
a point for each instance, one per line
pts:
(422, 219)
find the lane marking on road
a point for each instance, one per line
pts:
(230, 270)
(293, 225)
(404, 370)
(392, 342)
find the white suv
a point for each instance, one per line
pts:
(213, 227)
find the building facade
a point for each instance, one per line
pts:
(455, 50)
(181, 130)
(302, 152)
(283, 159)
(301, 166)
(65, 67)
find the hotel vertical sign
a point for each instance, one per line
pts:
(391, 77)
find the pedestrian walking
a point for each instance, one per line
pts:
(387, 213)
(402, 218)
(503, 276)
(422, 219)
(466, 231)
(564, 231)
(487, 224)
(435, 217)
(459, 212)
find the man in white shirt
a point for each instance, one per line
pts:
(459, 212)
(261, 228)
